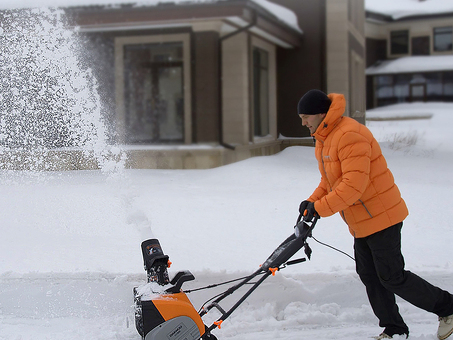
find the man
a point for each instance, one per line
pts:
(356, 183)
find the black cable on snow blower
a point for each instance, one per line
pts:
(331, 247)
(325, 244)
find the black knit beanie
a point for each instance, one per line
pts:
(313, 102)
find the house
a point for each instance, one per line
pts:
(202, 83)
(409, 52)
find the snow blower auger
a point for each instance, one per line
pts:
(164, 312)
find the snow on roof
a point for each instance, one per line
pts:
(412, 64)
(10, 4)
(398, 9)
(283, 14)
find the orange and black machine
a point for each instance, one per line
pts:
(164, 312)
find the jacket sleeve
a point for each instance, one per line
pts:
(354, 156)
(319, 192)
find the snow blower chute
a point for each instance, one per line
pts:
(164, 312)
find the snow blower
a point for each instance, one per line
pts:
(164, 312)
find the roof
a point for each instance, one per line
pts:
(412, 64)
(399, 9)
(282, 14)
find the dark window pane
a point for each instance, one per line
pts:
(401, 87)
(154, 93)
(384, 86)
(261, 92)
(448, 83)
(399, 42)
(433, 83)
(443, 39)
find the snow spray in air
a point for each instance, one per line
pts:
(50, 109)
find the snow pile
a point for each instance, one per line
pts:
(151, 291)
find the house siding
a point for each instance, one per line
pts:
(206, 88)
(301, 69)
(235, 89)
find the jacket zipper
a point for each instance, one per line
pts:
(344, 217)
(324, 167)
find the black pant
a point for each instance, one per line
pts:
(380, 266)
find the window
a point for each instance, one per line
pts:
(443, 39)
(384, 86)
(433, 84)
(260, 92)
(401, 86)
(399, 42)
(153, 89)
(429, 86)
(154, 93)
(448, 83)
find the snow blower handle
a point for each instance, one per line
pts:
(303, 229)
(290, 246)
(277, 260)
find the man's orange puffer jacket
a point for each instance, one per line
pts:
(355, 180)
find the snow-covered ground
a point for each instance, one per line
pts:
(70, 242)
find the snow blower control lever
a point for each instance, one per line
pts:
(166, 313)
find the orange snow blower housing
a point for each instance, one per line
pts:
(172, 315)
(172, 306)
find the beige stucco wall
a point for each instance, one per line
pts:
(345, 64)
(235, 89)
(416, 28)
(337, 47)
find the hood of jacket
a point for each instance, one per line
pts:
(333, 116)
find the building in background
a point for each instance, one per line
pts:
(203, 84)
(409, 53)
(191, 84)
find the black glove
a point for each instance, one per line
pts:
(310, 212)
(302, 208)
